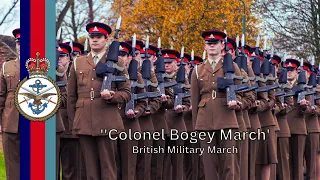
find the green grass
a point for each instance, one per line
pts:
(2, 167)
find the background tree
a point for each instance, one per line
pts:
(73, 15)
(181, 22)
(5, 17)
(294, 24)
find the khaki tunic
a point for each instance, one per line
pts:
(90, 116)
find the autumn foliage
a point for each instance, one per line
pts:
(181, 22)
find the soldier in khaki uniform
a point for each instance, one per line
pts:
(9, 115)
(210, 111)
(174, 117)
(93, 113)
(280, 112)
(71, 156)
(145, 121)
(128, 159)
(267, 153)
(317, 89)
(247, 100)
(254, 121)
(313, 129)
(193, 166)
(297, 124)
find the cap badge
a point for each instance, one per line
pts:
(166, 55)
(212, 36)
(95, 28)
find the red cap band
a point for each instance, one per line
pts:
(291, 65)
(76, 49)
(184, 59)
(97, 29)
(213, 37)
(169, 56)
(151, 52)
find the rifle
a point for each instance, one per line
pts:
(227, 82)
(161, 71)
(107, 70)
(237, 60)
(86, 49)
(146, 75)
(312, 83)
(133, 76)
(191, 66)
(267, 68)
(179, 91)
(244, 65)
(283, 79)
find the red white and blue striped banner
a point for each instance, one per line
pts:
(37, 139)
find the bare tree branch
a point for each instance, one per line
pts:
(15, 2)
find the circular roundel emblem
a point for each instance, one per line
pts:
(37, 98)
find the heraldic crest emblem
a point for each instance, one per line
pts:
(37, 98)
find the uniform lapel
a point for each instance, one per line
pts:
(218, 66)
(103, 58)
(17, 63)
(208, 66)
(90, 60)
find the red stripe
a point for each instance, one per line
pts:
(37, 129)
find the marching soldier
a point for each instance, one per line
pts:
(313, 129)
(297, 124)
(193, 166)
(9, 115)
(247, 100)
(143, 171)
(174, 118)
(128, 159)
(280, 112)
(94, 113)
(72, 162)
(159, 123)
(317, 89)
(205, 98)
(254, 120)
(267, 154)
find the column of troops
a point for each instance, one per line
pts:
(133, 86)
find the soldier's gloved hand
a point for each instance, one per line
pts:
(303, 104)
(179, 108)
(146, 113)
(131, 114)
(313, 109)
(164, 98)
(257, 103)
(107, 94)
(232, 105)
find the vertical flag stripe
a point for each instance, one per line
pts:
(24, 124)
(37, 44)
(51, 123)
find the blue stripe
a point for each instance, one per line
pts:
(50, 156)
(24, 124)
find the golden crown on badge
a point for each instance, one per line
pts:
(37, 67)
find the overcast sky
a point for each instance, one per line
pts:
(13, 21)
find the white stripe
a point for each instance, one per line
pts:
(74, 63)
(197, 71)
(3, 68)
